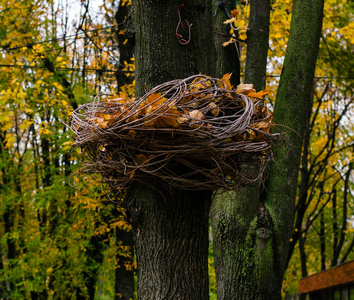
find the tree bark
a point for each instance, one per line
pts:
(124, 277)
(251, 234)
(227, 58)
(170, 228)
(171, 239)
(257, 43)
(158, 55)
(292, 107)
(240, 223)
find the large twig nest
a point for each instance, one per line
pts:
(194, 133)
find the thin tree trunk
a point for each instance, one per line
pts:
(241, 227)
(302, 256)
(257, 43)
(227, 58)
(323, 241)
(334, 228)
(170, 229)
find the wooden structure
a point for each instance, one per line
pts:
(336, 283)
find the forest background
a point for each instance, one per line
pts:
(63, 235)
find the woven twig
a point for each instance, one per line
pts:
(193, 133)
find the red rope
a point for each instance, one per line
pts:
(179, 36)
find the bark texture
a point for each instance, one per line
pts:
(257, 43)
(170, 227)
(227, 58)
(292, 107)
(159, 57)
(241, 225)
(171, 238)
(124, 277)
(251, 233)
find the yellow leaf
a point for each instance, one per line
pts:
(258, 95)
(232, 20)
(230, 41)
(243, 34)
(132, 133)
(44, 131)
(226, 80)
(100, 122)
(149, 110)
(170, 118)
(154, 100)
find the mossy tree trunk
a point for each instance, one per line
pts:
(251, 233)
(170, 227)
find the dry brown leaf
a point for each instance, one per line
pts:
(245, 88)
(264, 126)
(182, 120)
(196, 114)
(234, 13)
(132, 133)
(214, 109)
(170, 117)
(100, 122)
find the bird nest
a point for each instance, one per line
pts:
(193, 133)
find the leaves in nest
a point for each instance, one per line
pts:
(158, 112)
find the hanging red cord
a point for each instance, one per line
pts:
(181, 24)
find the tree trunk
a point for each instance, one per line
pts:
(257, 43)
(159, 57)
(292, 107)
(240, 223)
(170, 229)
(323, 241)
(171, 239)
(251, 234)
(227, 58)
(303, 257)
(124, 276)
